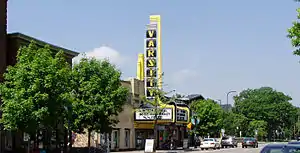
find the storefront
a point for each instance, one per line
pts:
(171, 127)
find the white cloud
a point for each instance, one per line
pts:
(104, 52)
(184, 76)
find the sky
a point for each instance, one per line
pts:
(208, 47)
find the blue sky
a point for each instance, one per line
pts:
(209, 47)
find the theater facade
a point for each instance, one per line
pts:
(175, 116)
(172, 125)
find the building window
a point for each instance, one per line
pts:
(127, 137)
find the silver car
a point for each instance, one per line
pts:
(228, 141)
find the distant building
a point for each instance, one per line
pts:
(188, 99)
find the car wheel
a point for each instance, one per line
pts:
(202, 148)
(243, 146)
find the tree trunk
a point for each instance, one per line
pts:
(89, 138)
(106, 141)
(37, 139)
(65, 140)
(70, 140)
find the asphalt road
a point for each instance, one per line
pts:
(224, 150)
(233, 150)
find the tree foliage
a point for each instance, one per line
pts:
(42, 91)
(233, 123)
(294, 33)
(210, 115)
(35, 89)
(98, 95)
(266, 104)
(259, 125)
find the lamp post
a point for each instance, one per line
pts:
(232, 91)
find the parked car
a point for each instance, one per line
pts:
(281, 148)
(210, 143)
(249, 142)
(228, 141)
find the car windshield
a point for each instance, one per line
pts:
(272, 150)
(225, 138)
(249, 139)
(294, 151)
(208, 140)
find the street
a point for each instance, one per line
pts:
(234, 150)
(225, 150)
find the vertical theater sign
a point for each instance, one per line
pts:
(151, 76)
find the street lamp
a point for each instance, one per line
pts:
(232, 91)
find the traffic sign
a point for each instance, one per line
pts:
(193, 121)
(189, 126)
(26, 137)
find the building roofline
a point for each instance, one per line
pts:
(124, 81)
(40, 42)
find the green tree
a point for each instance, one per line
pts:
(210, 115)
(98, 96)
(297, 123)
(260, 126)
(233, 123)
(35, 91)
(266, 104)
(294, 33)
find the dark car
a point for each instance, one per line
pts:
(249, 142)
(281, 148)
(228, 141)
